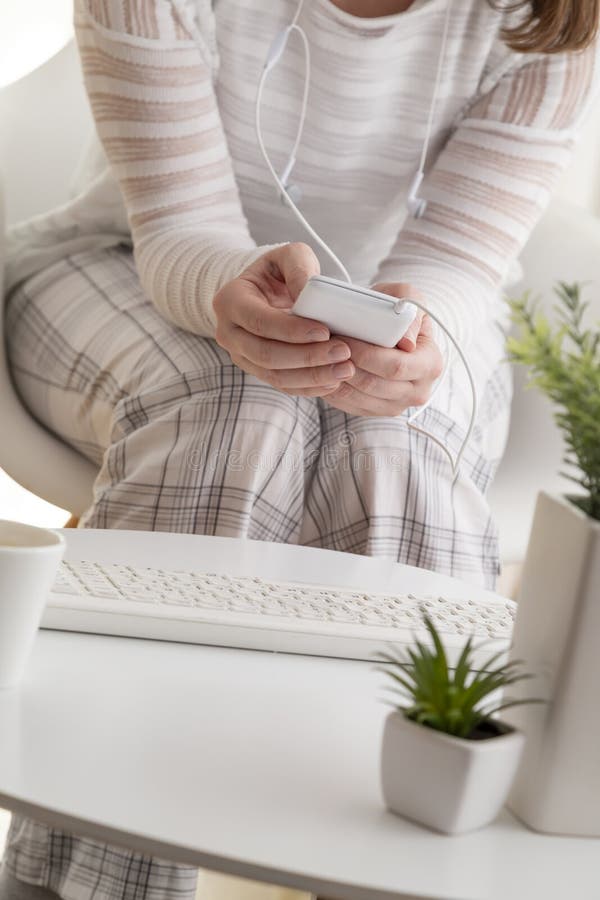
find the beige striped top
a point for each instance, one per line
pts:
(172, 86)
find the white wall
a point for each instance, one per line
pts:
(581, 184)
(44, 124)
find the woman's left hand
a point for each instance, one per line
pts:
(388, 381)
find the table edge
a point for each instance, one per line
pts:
(188, 856)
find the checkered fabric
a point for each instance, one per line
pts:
(187, 442)
(78, 868)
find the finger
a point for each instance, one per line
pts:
(309, 392)
(281, 273)
(247, 308)
(413, 394)
(394, 364)
(270, 354)
(262, 375)
(426, 340)
(382, 388)
(426, 328)
(406, 394)
(408, 341)
(421, 392)
(297, 263)
(352, 402)
(293, 379)
(343, 405)
(405, 291)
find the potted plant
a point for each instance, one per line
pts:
(446, 761)
(557, 629)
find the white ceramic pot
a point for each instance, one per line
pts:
(446, 783)
(557, 634)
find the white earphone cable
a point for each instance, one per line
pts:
(454, 464)
(436, 88)
(297, 13)
(274, 174)
(295, 27)
(274, 54)
(292, 159)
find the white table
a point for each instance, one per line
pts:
(255, 764)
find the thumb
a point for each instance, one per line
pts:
(297, 263)
(409, 341)
(405, 291)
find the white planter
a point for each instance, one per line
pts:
(557, 634)
(446, 783)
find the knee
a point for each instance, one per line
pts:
(212, 415)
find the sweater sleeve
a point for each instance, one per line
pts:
(147, 70)
(490, 184)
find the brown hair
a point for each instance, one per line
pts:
(551, 26)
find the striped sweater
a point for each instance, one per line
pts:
(172, 86)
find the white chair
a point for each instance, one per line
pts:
(29, 453)
(46, 108)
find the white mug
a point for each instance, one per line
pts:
(29, 560)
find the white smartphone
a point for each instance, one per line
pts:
(353, 311)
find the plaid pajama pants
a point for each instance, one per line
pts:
(186, 442)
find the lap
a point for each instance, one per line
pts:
(97, 364)
(83, 337)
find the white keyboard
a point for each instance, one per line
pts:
(253, 613)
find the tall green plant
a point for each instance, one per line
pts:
(564, 363)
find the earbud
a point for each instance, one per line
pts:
(293, 191)
(416, 205)
(277, 48)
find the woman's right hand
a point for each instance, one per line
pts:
(262, 336)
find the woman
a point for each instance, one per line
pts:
(148, 321)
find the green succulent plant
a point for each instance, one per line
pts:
(564, 363)
(455, 700)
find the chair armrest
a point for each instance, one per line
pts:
(29, 453)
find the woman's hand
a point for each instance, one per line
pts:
(388, 381)
(255, 326)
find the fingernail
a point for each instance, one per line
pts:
(339, 352)
(343, 370)
(318, 334)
